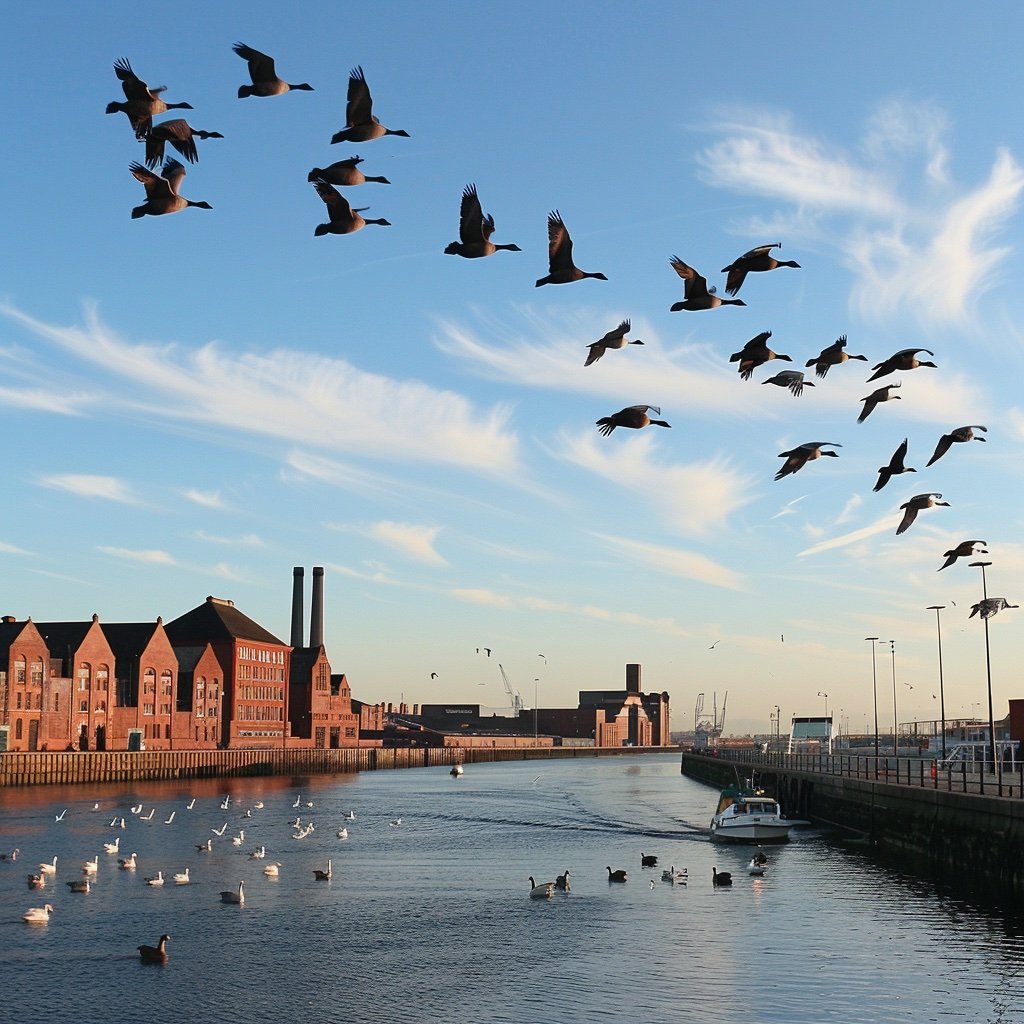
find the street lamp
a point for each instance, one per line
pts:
(895, 719)
(942, 696)
(988, 672)
(535, 682)
(821, 693)
(874, 690)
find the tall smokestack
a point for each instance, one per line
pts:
(316, 614)
(297, 585)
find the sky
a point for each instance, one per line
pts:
(195, 403)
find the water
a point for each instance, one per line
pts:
(431, 921)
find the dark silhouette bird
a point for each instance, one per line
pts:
(914, 505)
(360, 124)
(613, 339)
(895, 467)
(720, 877)
(648, 860)
(965, 549)
(433, 675)
(265, 81)
(797, 458)
(905, 359)
(475, 230)
(754, 354)
(180, 134)
(561, 269)
(990, 606)
(616, 876)
(322, 875)
(696, 294)
(792, 379)
(343, 218)
(832, 355)
(956, 436)
(162, 190)
(141, 101)
(345, 172)
(487, 650)
(633, 416)
(562, 881)
(752, 262)
(884, 394)
(155, 954)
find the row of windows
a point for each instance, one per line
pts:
(259, 654)
(261, 692)
(260, 672)
(258, 713)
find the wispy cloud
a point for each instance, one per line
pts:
(207, 499)
(675, 562)
(414, 541)
(44, 400)
(86, 485)
(477, 595)
(853, 537)
(12, 549)
(149, 557)
(246, 540)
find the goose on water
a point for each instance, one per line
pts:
(182, 877)
(561, 269)
(60, 817)
(720, 877)
(633, 416)
(90, 867)
(37, 881)
(360, 123)
(324, 876)
(228, 896)
(155, 954)
(755, 867)
(258, 854)
(343, 833)
(541, 890)
(157, 879)
(38, 915)
(754, 261)
(915, 505)
(13, 855)
(49, 869)
(80, 885)
(616, 876)
(696, 294)
(680, 877)
(220, 831)
(562, 881)
(265, 81)
(273, 870)
(128, 863)
(114, 846)
(206, 847)
(648, 860)
(615, 338)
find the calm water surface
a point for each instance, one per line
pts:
(431, 920)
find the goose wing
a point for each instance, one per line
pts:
(696, 286)
(359, 109)
(338, 208)
(157, 187)
(178, 132)
(174, 172)
(895, 466)
(941, 448)
(133, 86)
(473, 226)
(559, 244)
(261, 67)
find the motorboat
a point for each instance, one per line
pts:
(748, 815)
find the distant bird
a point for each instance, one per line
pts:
(38, 915)
(633, 416)
(720, 877)
(680, 877)
(259, 854)
(343, 219)
(190, 804)
(956, 436)
(60, 817)
(345, 172)
(360, 123)
(397, 822)
(755, 353)
(990, 606)
(49, 869)
(648, 860)
(884, 394)
(561, 269)
(832, 355)
(273, 870)
(433, 675)
(80, 885)
(895, 467)
(615, 338)
(155, 954)
(162, 190)
(616, 876)
(180, 134)
(914, 505)
(324, 876)
(157, 879)
(90, 867)
(541, 890)
(343, 833)
(263, 74)
(755, 868)
(714, 645)
(220, 831)
(37, 881)
(905, 359)
(797, 458)
(696, 294)
(487, 650)
(206, 847)
(965, 549)
(114, 846)
(792, 379)
(754, 261)
(562, 881)
(141, 101)
(475, 230)
(170, 819)
(13, 855)
(227, 896)
(128, 863)
(760, 857)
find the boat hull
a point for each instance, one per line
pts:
(750, 832)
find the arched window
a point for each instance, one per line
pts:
(149, 681)
(166, 682)
(37, 672)
(19, 669)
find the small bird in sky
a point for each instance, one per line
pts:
(884, 394)
(360, 123)
(755, 353)
(265, 81)
(754, 261)
(615, 338)
(433, 675)
(696, 294)
(561, 269)
(343, 218)
(634, 416)
(961, 434)
(792, 379)
(475, 230)
(797, 458)
(714, 645)
(914, 505)
(905, 359)
(895, 467)
(965, 549)
(832, 355)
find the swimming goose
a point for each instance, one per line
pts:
(396, 822)
(905, 359)
(206, 847)
(227, 896)
(60, 817)
(239, 839)
(914, 505)
(760, 857)
(13, 855)
(182, 877)
(616, 876)
(475, 230)
(345, 172)
(180, 134)
(720, 877)
(37, 881)
(114, 846)
(263, 74)
(148, 817)
(561, 269)
(895, 467)
(157, 879)
(38, 915)
(633, 416)
(79, 885)
(696, 294)
(956, 436)
(648, 860)
(755, 867)
(343, 833)
(220, 831)
(190, 804)
(884, 394)
(832, 355)
(754, 261)
(135, 809)
(90, 867)
(541, 890)
(792, 379)
(258, 854)
(167, 821)
(755, 353)
(258, 805)
(562, 881)
(990, 606)
(797, 458)
(343, 218)
(128, 863)
(298, 801)
(351, 816)
(324, 876)
(226, 802)
(162, 190)
(155, 954)
(360, 124)
(142, 102)
(49, 869)
(613, 339)
(273, 870)
(965, 549)
(680, 877)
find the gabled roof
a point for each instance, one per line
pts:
(218, 620)
(63, 639)
(9, 632)
(129, 639)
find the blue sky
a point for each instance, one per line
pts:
(194, 403)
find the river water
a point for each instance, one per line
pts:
(431, 920)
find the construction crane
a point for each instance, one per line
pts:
(707, 730)
(517, 700)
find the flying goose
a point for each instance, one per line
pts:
(141, 101)
(360, 123)
(180, 134)
(561, 269)
(905, 359)
(615, 338)
(345, 172)
(155, 954)
(965, 549)
(751, 262)
(324, 876)
(616, 876)
(895, 467)
(696, 294)
(475, 230)
(914, 505)
(792, 379)
(990, 606)
(162, 190)
(562, 881)
(755, 353)
(884, 394)
(797, 458)
(541, 890)
(633, 416)
(263, 74)
(955, 436)
(227, 896)
(343, 219)
(38, 915)
(721, 877)
(832, 355)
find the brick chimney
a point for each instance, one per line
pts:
(316, 616)
(297, 584)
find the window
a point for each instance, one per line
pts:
(19, 700)
(19, 670)
(56, 702)
(147, 709)
(37, 672)
(83, 707)
(17, 728)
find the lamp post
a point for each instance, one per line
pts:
(535, 682)
(874, 690)
(942, 696)
(895, 719)
(821, 693)
(988, 673)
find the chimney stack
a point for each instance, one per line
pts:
(297, 584)
(632, 679)
(316, 615)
